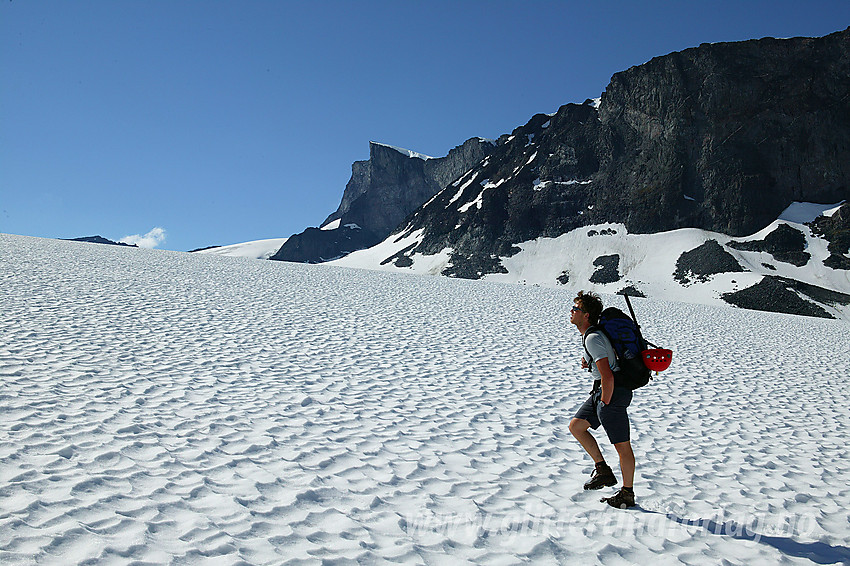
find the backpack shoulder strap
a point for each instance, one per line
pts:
(589, 331)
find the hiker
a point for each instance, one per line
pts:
(606, 405)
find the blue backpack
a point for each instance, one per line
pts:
(624, 335)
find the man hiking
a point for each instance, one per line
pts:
(606, 405)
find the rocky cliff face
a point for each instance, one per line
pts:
(721, 137)
(382, 191)
(725, 136)
(393, 183)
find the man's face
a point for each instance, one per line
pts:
(577, 314)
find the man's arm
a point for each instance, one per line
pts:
(607, 379)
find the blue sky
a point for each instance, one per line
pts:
(223, 122)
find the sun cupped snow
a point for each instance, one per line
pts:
(174, 408)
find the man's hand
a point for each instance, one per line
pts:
(584, 364)
(607, 379)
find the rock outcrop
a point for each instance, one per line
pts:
(725, 136)
(316, 246)
(700, 263)
(779, 294)
(836, 230)
(785, 244)
(382, 191)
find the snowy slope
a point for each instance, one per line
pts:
(173, 408)
(259, 249)
(647, 261)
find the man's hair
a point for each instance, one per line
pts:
(591, 304)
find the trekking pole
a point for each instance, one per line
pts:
(634, 318)
(632, 311)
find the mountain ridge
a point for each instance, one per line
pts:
(616, 162)
(381, 192)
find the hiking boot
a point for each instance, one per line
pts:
(602, 476)
(623, 499)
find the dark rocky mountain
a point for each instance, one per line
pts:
(99, 240)
(315, 245)
(721, 137)
(382, 191)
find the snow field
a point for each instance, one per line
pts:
(162, 407)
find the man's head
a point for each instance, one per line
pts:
(590, 304)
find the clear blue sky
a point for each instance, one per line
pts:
(228, 121)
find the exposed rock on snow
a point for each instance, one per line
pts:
(631, 291)
(785, 244)
(317, 245)
(778, 294)
(836, 230)
(704, 261)
(607, 269)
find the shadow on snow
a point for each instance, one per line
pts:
(818, 552)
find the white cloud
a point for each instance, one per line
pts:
(150, 240)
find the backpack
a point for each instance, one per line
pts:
(624, 335)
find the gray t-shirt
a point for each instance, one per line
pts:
(598, 346)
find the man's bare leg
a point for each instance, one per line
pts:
(627, 462)
(579, 429)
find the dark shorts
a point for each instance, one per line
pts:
(613, 417)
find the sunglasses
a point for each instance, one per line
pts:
(574, 309)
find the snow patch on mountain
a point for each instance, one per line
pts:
(394, 252)
(479, 200)
(257, 249)
(462, 188)
(803, 212)
(540, 185)
(407, 152)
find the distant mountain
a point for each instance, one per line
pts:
(721, 138)
(382, 191)
(99, 240)
(258, 249)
